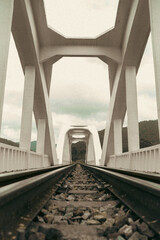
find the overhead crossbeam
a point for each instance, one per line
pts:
(80, 51)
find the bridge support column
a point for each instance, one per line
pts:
(70, 150)
(41, 136)
(117, 136)
(6, 13)
(27, 108)
(132, 111)
(91, 158)
(154, 8)
(66, 150)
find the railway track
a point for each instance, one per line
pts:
(11, 177)
(21, 201)
(154, 177)
(78, 202)
(142, 196)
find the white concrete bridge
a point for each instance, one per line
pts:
(39, 47)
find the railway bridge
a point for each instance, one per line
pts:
(113, 195)
(39, 47)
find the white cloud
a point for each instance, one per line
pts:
(81, 18)
(11, 114)
(80, 78)
(145, 76)
(10, 133)
(146, 107)
(15, 76)
(79, 92)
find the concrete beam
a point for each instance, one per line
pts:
(66, 150)
(80, 51)
(117, 136)
(78, 139)
(41, 136)
(154, 7)
(6, 13)
(27, 108)
(90, 153)
(132, 110)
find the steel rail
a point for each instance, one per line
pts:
(140, 195)
(152, 177)
(11, 177)
(21, 201)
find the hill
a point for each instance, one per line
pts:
(148, 137)
(9, 142)
(15, 144)
(78, 151)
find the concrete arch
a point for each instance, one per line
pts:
(88, 134)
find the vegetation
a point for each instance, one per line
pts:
(78, 151)
(33, 146)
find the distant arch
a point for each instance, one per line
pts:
(88, 134)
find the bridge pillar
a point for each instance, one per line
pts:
(90, 157)
(41, 136)
(27, 108)
(66, 150)
(154, 8)
(117, 136)
(6, 13)
(132, 111)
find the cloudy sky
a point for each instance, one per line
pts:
(80, 87)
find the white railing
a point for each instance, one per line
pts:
(14, 158)
(144, 159)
